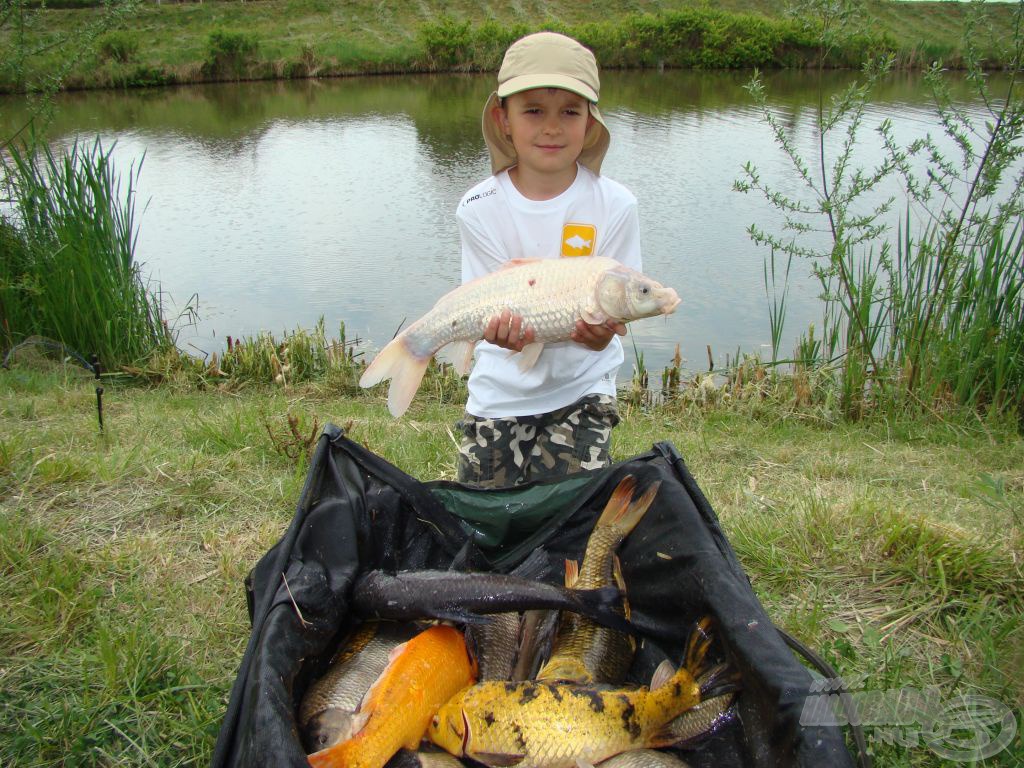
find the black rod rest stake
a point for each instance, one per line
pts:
(95, 360)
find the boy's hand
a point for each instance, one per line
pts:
(596, 337)
(507, 331)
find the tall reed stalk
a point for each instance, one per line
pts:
(71, 275)
(974, 353)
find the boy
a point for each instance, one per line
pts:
(546, 199)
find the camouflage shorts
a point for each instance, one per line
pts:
(503, 452)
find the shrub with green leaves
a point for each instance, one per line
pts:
(229, 53)
(118, 45)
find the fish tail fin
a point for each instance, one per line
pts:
(405, 370)
(697, 646)
(636, 510)
(618, 502)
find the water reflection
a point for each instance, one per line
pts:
(277, 203)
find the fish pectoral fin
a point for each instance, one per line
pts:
(581, 763)
(665, 672)
(593, 316)
(461, 353)
(527, 357)
(359, 719)
(498, 759)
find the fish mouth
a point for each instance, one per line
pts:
(669, 301)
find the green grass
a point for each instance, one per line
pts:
(170, 42)
(893, 546)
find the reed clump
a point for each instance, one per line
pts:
(69, 272)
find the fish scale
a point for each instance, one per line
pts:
(328, 710)
(551, 295)
(550, 725)
(584, 652)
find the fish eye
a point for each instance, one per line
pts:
(645, 290)
(436, 721)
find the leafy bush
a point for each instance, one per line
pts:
(118, 45)
(229, 53)
(691, 38)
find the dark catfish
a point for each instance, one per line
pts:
(462, 597)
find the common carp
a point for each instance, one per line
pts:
(422, 675)
(550, 294)
(550, 725)
(584, 652)
(327, 714)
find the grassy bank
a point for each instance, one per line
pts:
(159, 43)
(892, 546)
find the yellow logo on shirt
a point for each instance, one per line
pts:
(578, 239)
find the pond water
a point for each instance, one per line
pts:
(278, 203)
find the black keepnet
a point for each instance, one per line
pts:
(358, 512)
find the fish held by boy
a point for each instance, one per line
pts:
(422, 675)
(328, 712)
(551, 295)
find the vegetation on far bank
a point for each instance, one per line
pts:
(130, 43)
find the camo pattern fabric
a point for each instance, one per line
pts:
(501, 452)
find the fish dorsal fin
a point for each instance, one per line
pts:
(359, 720)
(527, 357)
(662, 674)
(618, 502)
(572, 573)
(512, 263)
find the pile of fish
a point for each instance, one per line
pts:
(539, 684)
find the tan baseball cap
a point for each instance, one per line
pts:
(546, 60)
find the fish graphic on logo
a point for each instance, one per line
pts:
(578, 239)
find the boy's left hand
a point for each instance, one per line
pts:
(596, 337)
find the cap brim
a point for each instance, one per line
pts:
(527, 82)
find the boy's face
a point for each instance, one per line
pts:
(547, 127)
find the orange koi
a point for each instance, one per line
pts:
(423, 674)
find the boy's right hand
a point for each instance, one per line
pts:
(508, 331)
